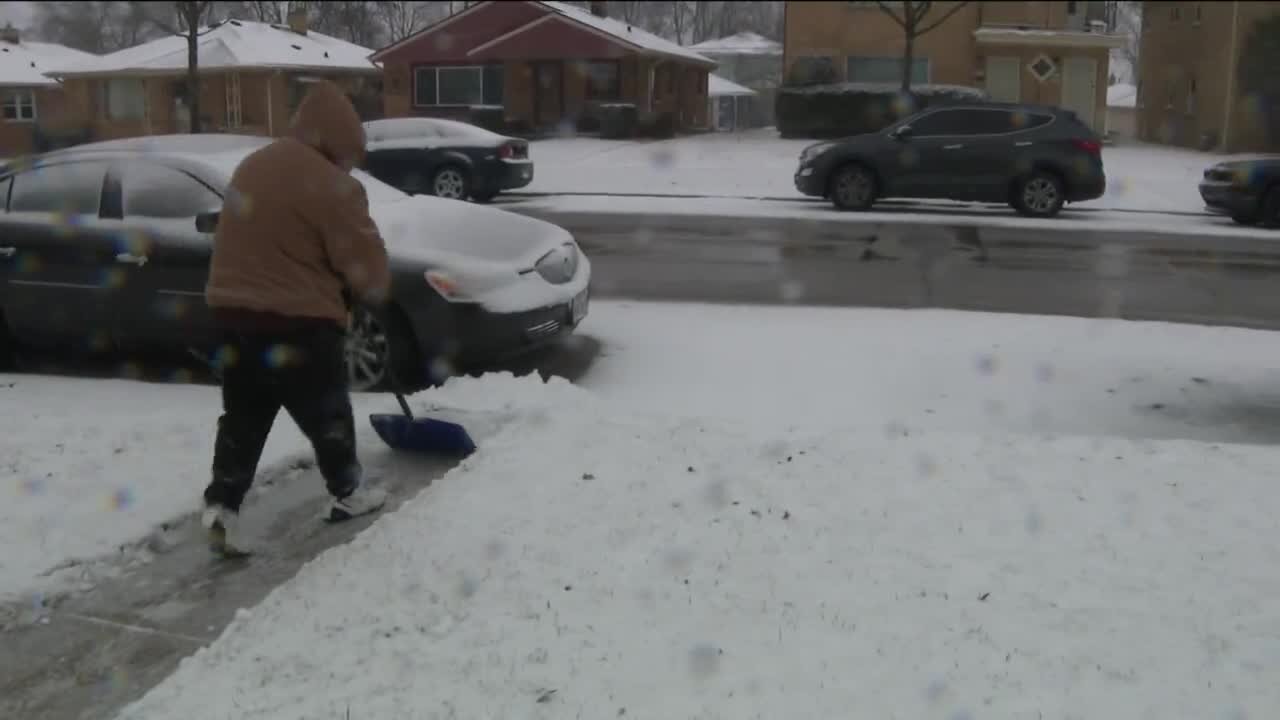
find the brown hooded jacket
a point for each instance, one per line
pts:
(295, 231)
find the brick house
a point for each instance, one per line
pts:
(252, 76)
(1045, 53)
(545, 64)
(33, 105)
(1188, 93)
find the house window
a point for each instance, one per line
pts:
(604, 80)
(1175, 12)
(20, 105)
(1071, 8)
(1191, 95)
(885, 70)
(124, 99)
(1198, 15)
(453, 85)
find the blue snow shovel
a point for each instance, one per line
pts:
(421, 435)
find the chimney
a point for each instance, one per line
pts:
(599, 9)
(10, 34)
(298, 21)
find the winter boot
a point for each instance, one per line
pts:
(363, 500)
(222, 527)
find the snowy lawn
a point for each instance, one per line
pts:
(91, 466)
(94, 465)
(758, 163)
(591, 562)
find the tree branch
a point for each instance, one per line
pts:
(884, 8)
(945, 16)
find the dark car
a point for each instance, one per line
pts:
(1033, 158)
(1247, 189)
(105, 248)
(445, 158)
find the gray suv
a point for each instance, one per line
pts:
(1034, 158)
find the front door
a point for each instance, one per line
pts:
(548, 93)
(1004, 79)
(1079, 87)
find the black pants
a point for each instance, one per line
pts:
(303, 371)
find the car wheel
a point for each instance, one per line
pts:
(381, 352)
(853, 187)
(1040, 194)
(8, 348)
(1270, 208)
(450, 182)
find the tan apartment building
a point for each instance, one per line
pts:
(1044, 53)
(252, 77)
(1188, 89)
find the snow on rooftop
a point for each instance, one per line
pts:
(628, 33)
(743, 43)
(718, 86)
(234, 44)
(25, 63)
(1122, 95)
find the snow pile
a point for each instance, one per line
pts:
(587, 563)
(1122, 95)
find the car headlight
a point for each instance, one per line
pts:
(560, 265)
(813, 151)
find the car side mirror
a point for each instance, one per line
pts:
(207, 222)
(902, 133)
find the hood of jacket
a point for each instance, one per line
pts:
(327, 121)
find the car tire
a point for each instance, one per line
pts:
(382, 352)
(8, 348)
(852, 187)
(1269, 208)
(1040, 194)
(451, 182)
(1244, 218)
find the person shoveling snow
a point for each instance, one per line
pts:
(294, 241)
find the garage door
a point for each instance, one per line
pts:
(1004, 79)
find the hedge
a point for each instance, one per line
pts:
(842, 109)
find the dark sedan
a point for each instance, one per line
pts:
(1034, 158)
(446, 158)
(105, 247)
(1247, 189)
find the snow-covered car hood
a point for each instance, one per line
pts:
(442, 232)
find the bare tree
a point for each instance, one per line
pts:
(184, 19)
(402, 19)
(916, 20)
(96, 27)
(1125, 19)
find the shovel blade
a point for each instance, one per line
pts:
(423, 435)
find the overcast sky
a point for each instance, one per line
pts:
(19, 14)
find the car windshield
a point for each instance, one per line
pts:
(224, 164)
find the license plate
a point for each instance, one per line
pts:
(579, 307)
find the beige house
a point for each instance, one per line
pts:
(1187, 89)
(1046, 53)
(252, 76)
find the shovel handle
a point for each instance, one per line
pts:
(404, 405)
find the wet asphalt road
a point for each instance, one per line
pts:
(85, 655)
(966, 266)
